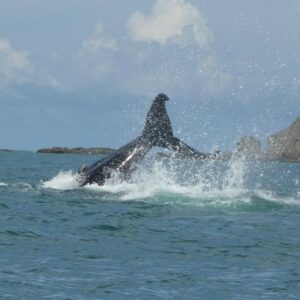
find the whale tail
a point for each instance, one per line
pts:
(157, 132)
(158, 125)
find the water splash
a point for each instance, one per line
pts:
(183, 180)
(64, 180)
(235, 175)
(202, 183)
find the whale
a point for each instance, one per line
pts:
(157, 132)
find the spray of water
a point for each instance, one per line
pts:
(200, 182)
(64, 180)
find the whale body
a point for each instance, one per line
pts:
(157, 132)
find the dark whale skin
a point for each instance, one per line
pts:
(157, 132)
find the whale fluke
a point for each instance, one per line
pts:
(157, 132)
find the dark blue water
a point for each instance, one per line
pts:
(178, 230)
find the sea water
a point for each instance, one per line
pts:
(179, 229)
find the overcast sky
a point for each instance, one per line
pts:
(84, 72)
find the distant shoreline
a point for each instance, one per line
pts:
(76, 150)
(160, 155)
(6, 150)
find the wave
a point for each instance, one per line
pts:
(21, 186)
(194, 195)
(201, 185)
(272, 197)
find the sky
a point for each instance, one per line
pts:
(84, 72)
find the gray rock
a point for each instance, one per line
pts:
(250, 147)
(285, 145)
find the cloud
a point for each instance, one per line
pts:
(186, 63)
(170, 20)
(97, 41)
(96, 51)
(16, 68)
(180, 73)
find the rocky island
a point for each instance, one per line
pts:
(6, 150)
(285, 145)
(250, 147)
(282, 146)
(77, 150)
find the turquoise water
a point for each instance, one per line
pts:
(177, 230)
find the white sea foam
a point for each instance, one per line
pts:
(3, 184)
(64, 180)
(159, 181)
(271, 197)
(202, 185)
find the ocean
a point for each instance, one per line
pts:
(177, 230)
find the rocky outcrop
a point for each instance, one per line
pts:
(6, 150)
(78, 150)
(249, 147)
(285, 145)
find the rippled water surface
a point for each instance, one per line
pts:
(177, 230)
